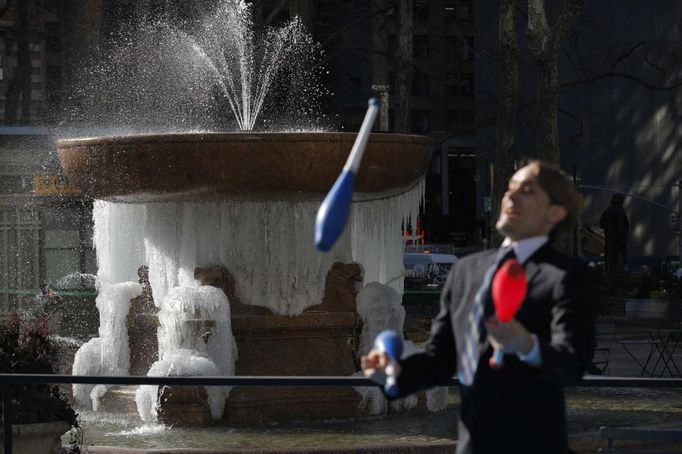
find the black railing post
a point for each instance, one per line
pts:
(6, 419)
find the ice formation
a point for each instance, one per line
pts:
(266, 246)
(107, 354)
(195, 338)
(380, 308)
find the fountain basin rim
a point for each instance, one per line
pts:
(245, 165)
(244, 136)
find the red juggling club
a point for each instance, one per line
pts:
(509, 289)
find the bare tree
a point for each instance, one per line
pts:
(405, 66)
(545, 43)
(508, 81)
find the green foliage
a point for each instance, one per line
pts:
(25, 347)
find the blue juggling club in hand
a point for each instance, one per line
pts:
(390, 342)
(333, 213)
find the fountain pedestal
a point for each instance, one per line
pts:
(315, 343)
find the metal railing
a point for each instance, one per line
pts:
(8, 380)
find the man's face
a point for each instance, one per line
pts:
(526, 210)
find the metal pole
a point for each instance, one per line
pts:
(679, 223)
(6, 419)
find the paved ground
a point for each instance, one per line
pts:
(653, 408)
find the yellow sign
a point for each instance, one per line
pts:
(51, 185)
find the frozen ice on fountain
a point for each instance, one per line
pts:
(376, 239)
(119, 240)
(195, 338)
(268, 249)
(380, 308)
(266, 246)
(107, 354)
(180, 363)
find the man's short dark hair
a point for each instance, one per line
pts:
(561, 190)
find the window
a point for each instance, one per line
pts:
(454, 48)
(451, 118)
(464, 11)
(392, 44)
(465, 83)
(421, 46)
(421, 121)
(420, 84)
(450, 7)
(20, 229)
(451, 84)
(52, 39)
(421, 10)
(467, 117)
(11, 184)
(468, 48)
(53, 79)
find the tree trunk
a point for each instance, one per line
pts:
(507, 79)
(547, 134)
(545, 42)
(19, 86)
(405, 63)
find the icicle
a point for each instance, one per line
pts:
(377, 241)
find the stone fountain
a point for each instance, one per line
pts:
(207, 265)
(235, 211)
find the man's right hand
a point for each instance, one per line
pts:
(374, 363)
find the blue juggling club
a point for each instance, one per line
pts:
(391, 343)
(333, 213)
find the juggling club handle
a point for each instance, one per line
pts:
(497, 360)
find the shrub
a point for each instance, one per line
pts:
(25, 347)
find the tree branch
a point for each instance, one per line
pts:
(637, 80)
(581, 127)
(354, 23)
(626, 54)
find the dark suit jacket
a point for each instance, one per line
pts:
(519, 408)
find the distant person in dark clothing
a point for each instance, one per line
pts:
(615, 223)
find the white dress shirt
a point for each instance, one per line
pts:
(523, 250)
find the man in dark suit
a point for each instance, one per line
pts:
(519, 407)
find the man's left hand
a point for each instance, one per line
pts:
(510, 337)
